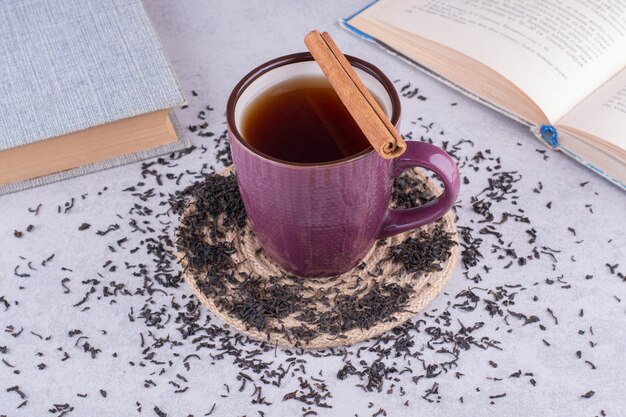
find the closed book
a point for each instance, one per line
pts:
(84, 85)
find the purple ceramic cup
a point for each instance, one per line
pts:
(321, 219)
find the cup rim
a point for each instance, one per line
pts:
(303, 57)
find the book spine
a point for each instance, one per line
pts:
(549, 136)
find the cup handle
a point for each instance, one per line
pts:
(425, 155)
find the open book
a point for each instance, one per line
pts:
(559, 67)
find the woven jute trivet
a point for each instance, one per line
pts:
(258, 298)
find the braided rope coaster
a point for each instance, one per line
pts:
(228, 272)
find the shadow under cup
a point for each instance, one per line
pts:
(320, 219)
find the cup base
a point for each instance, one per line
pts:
(230, 274)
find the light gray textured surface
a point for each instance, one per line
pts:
(212, 45)
(67, 66)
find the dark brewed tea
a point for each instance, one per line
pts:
(302, 120)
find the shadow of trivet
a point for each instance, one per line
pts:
(227, 270)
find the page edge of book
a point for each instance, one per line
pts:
(182, 142)
(345, 23)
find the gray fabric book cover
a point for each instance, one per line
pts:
(73, 64)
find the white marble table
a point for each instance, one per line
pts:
(212, 45)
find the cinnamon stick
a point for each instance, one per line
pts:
(362, 106)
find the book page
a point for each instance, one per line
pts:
(556, 51)
(603, 114)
